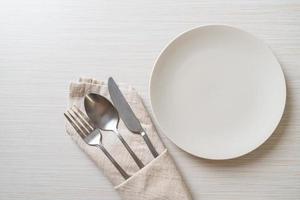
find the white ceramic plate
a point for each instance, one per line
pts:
(217, 92)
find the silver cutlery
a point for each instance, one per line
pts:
(91, 135)
(105, 116)
(127, 115)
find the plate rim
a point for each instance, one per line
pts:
(275, 125)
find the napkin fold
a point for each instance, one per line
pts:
(159, 179)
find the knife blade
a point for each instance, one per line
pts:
(125, 111)
(127, 114)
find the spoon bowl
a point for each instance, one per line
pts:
(101, 111)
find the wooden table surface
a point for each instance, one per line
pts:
(46, 44)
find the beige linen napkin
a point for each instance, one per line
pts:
(159, 179)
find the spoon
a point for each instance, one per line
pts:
(106, 117)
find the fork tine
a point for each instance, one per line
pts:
(81, 126)
(83, 118)
(75, 126)
(87, 119)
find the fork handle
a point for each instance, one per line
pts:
(133, 155)
(114, 162)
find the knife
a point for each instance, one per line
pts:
(127, 115)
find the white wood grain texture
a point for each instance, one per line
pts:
(45, 44)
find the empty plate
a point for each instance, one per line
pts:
(217, 92)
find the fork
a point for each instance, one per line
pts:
(91, 135)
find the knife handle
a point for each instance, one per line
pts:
(149, 144)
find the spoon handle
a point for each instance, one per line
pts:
(149, 144)
(133, 155)
(114, 162)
